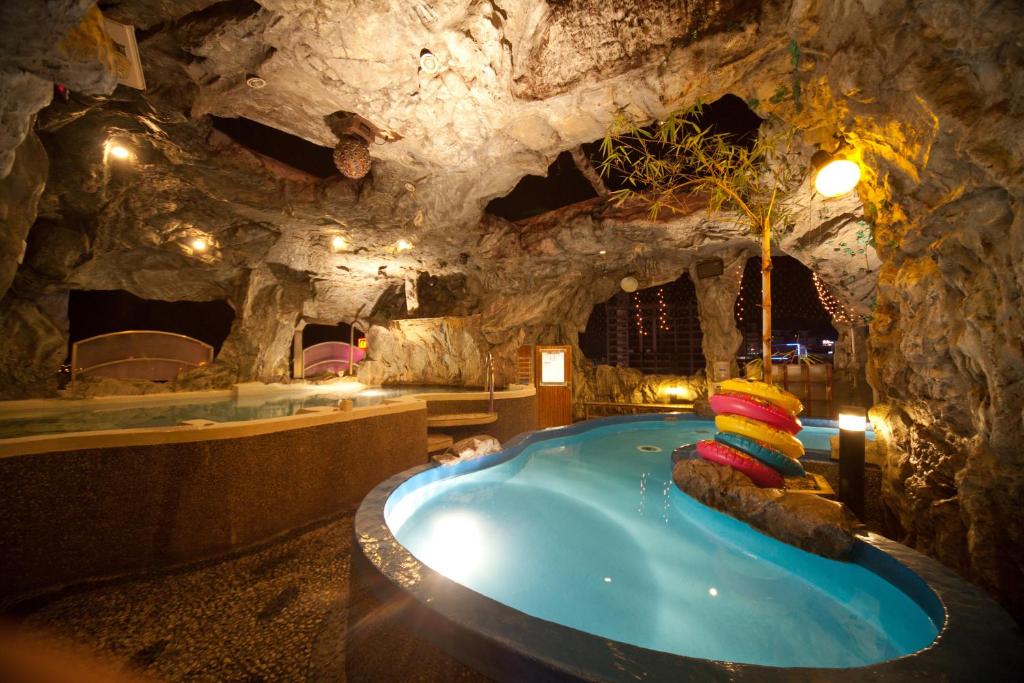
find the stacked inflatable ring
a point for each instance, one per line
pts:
(757, 427)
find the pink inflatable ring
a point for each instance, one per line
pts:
(759, 473)
(728, 403)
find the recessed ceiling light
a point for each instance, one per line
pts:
(403, 245)
(199, 244)
(428, 62)
(602, 252)
(119, 151)
(255, 82)
(339, 243)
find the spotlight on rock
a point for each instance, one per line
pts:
(338, 243)
(835, 175)
(199, 245)
(403, 245)
(118, 151)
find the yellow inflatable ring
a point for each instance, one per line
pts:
(765, 392)
(759, 431)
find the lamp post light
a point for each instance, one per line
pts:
(852, 422)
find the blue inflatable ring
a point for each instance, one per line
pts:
(785, 465)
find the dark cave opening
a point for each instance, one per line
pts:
(799, 319)
(95, 312)
(534, 195)
(656, 330)
(283, 147)
(729, 115)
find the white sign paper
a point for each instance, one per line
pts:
(552, 367)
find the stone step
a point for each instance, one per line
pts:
(437, 443)
(461, 419)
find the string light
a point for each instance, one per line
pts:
(741, 299)
(662, 311)
(639, 316)
(832, 305)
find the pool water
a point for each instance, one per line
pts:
(173, 412)
(590, 532)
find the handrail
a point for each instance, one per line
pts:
(326, 343)
(341, 353)
(158, 332)
(490, 382)
(141, 359)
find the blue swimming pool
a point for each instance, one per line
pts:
(588, 531)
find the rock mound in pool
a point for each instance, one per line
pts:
(824, 527)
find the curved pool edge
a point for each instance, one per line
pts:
(978, 640)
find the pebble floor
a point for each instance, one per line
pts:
(277, 614)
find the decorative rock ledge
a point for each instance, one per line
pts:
(817, 525)
(469, 449)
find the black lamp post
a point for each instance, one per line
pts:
(852, 421)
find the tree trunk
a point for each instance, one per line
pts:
(766, 301)
(579, 157)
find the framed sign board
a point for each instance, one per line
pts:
(126, 54)
(552, 367)
(553, 372)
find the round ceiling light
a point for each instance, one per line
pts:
(352, 157)
(338, 243)
(629, 284)
(199, 245)
(255, 82)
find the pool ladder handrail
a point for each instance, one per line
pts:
(490, 382)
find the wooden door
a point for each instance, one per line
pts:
(553, 379)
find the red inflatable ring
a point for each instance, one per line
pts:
(759, 473)
(728, 403)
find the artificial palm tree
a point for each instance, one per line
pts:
(667, 164)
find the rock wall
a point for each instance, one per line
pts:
(932, 109)
(43, 42)
(716, 301)
(446, 351)
(605, 383)
(19, 200)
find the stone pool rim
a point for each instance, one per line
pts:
(976, 636)
(206, 430)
